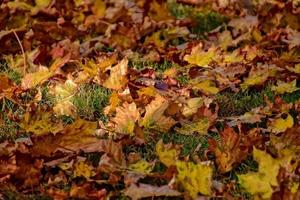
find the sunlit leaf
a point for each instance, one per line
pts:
(195, 178)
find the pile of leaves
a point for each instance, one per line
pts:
(134, 99)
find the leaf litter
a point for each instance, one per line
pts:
(126, 99)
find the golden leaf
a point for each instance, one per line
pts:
(283, 87)
(166, 155)
(281, 124)
(195, 178)
(154, 117)
(191, 106)
(33, 79)
(201, 126)
(126, 117)
(117, 79)
(142, 166)
(207, 86)
(99, 8)
(82, 169)
(261, 182)
(200, 57)
(40, 124)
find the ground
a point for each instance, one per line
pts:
(134, 99)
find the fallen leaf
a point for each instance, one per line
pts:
(154, 116)
(143, 191)
(261, 182)
(207, 87)
(192, 106)
(117, 78)
(126, 117)
(166, 155)
(281, 123)
(199, 57)
(142, 166)
(195, 178)
(283, 87)
(200, 126)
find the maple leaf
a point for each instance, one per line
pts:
(99, 8)
(200, 126)
(261, 182)
(296, 69)
(258, 77)
(82, 169)
(142, 166)
(207, 87)
(282, 123)
(166, 155)
(63, 94)
(43, 74)
(126, 117)
(192, 106)
(154, 116)
(143, 191)
(40, 124)
(159, 11)
(195, 178)
(78, 134)
(117, 78)
(283, 87)
(229, 150)
(199, 57)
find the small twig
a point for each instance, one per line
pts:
(23, 52)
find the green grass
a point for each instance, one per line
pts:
(11, 74)
(183, 79)
(48, 99)
(14, 195)
(291, 97)
(179, 11)
(90, 101)
(189, 142)
(234, 104)
(204, 21)
(9, 129)
(157, 66)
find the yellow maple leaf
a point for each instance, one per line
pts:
(207, 86)
(296, 69)
(82, 169)
(200, 126)
(42, 3)
(159, 11)
(33, 79)
(261, 182)
(63, 94)
(117, 78)
(148, 91)
(40, 124)
(142, 166)
(281, 124)
(114, 101)
(199, 57)
(195, 178)
(166, 154)
(99, 8)
(154, 116)
(258, 77)
(192, 106)
(126, 117)
(283, 87)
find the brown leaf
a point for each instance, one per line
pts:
(143, 191)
